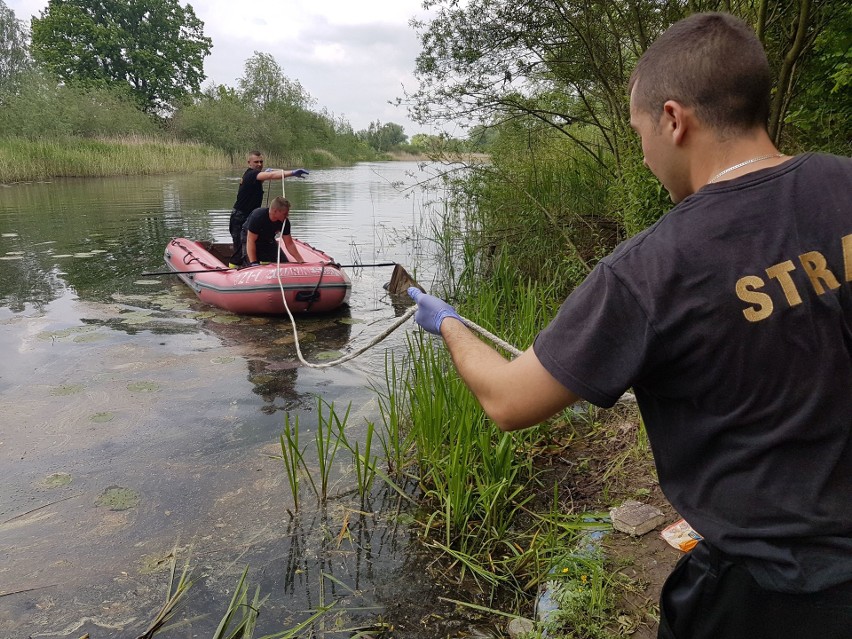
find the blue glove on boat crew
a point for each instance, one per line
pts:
(300, 173)
(431, 311)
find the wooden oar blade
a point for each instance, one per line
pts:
(400, 281)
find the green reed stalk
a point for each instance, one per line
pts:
(294, 457)
(241, 612)
(395, 445)
(365, 466)
(327, 442)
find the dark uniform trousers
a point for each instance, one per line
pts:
(707, 596)
(235, 226)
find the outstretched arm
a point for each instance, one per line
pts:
(514, 394)
(280, 174)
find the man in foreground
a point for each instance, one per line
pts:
(259, 234)
(250, 197)
(731, 318)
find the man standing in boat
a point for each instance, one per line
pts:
(250, 197)
(259, 233)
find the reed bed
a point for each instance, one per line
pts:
(24, 159)
(483, 502)
(527, 235)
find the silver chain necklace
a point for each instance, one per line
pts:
(742, 164)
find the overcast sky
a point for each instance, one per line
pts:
(352, 57)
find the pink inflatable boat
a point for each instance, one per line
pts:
(316, 286)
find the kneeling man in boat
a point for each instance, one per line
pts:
(259, 231)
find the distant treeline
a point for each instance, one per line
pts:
(61, 80)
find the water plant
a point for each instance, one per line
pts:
(175, 597)
(365, 464)
(327, 441)
(394, 440)
(240, 619)
(293, 457)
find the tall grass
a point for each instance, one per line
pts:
(550, 210)
(24, 159)
(522, 242)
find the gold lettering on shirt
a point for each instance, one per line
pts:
(815, 266)
(847, 256)
(762, 302)
(781, 272)
(817, 270)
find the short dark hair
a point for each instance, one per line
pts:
(711, 62)
(252, 154)
(280, 204)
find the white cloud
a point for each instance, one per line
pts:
(352, 57)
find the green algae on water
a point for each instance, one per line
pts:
(87, 339)
(57, 480)
(66, 389)
(66, 332)
(118, 498)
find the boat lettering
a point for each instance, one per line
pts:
(256, 276)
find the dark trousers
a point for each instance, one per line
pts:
(235, 226)
(709, 597)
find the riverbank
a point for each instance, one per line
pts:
(465, 158)
(23, 160)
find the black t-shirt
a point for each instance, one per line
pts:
(731, 318)
(250, 192)
(259, 222)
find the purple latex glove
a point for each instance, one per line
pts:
(300, 173)
(431, 311)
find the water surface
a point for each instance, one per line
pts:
(137, 420)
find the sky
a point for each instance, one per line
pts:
(352, 57)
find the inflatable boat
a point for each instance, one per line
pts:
(317, 285)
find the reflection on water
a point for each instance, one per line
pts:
(121, 385)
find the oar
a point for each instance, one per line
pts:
(364, 265)
(208, 270)
(220, 270)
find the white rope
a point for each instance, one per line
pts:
(627, 397)
(378, 338)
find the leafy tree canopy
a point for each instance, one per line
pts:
(14, 59)
(564, 64)
(154, 48)
(264, 84)
(383, 137)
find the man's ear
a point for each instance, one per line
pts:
(675, 120)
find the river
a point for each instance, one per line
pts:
(137, 421)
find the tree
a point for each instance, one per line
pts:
(219, 117)
(566, 63)
(264, 84)
(153, 48)
(793, 33)
(563, 64)
(383, 137)
(14, 59)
